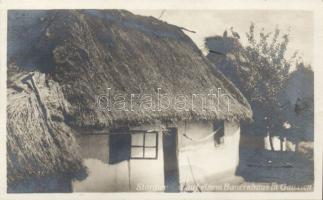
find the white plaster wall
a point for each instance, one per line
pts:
(102, 177)
(207, 161)
(133, 175)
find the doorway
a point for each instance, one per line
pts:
(171, 171)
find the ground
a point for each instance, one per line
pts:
(261, 170)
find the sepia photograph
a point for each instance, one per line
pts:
(160, 101)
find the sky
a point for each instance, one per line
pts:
(299, 24)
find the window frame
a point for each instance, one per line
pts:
(143, 146)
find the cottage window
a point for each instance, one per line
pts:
(144, 145)
(219, 136)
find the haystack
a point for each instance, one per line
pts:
(38, 142)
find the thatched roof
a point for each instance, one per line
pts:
(227, 54)
(87, 52)
(38, 141)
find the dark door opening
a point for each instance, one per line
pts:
(170, 160)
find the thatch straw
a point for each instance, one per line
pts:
(87, 52)
(37, 146)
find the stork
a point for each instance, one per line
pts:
(235, 34)
(225, 33)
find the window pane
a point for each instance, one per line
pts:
(137, 152)
(150, 139)
(150, 152)
(137, 139)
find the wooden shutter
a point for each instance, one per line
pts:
(120, 148)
